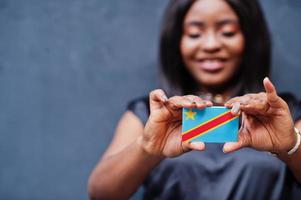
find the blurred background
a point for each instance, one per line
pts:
(68, 69)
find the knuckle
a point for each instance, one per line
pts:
(174, 98)
(190, 96)
(159, 91)
(154, 92)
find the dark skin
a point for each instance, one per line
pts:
(144, 147)
(211, 47)
(267, 125)
(162, 133)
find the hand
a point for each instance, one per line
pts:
(162, 132)
(267, 124)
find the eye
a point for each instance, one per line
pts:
(229, 34)
(194, 35)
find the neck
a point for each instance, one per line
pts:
(220, 95)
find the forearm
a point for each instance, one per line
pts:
(118, 176)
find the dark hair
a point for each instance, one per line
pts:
(257, 53)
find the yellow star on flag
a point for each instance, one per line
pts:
(190, 114)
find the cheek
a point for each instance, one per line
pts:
(236, 46)
(187, 47)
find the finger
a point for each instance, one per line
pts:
(197, 102)
(157, 98)
(235, 110)
(234, 104)
(201, 104)
(187, 101)
(208, 103)
(272, 96)
(185, 146)
(250, 103)
(230, 102)
(192, 101)
(198, 146)
(242, 100)
(177, 102)
(257, 106)
(231, 146)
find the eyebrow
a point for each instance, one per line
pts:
(195, 23)
(227, 21)
(219, 23)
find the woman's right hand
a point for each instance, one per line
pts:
(162, 132)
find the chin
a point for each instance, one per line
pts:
(213, 82)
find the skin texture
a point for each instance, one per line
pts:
(212, 44)
(162, 133)
(266, 121)
(143, 147)
(212, 53)
(267, 125)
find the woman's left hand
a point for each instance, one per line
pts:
(267, 124)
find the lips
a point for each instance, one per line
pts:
(211, 64)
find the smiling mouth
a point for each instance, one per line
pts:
(211, 65)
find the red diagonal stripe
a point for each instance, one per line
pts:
(209, 125)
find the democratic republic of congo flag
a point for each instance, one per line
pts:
(211, 124)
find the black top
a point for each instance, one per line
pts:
(211, 174)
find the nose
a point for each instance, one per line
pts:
(211, 43)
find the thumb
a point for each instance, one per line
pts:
(156, 99)
(272, 96)
(232, 146)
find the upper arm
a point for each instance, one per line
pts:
(128, 129)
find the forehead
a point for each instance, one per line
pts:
(210, 10)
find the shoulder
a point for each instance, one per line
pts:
(140, 107)
(293, 103)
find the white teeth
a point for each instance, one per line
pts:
(211, 64)
(211, 61)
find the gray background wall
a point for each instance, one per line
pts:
(68, 69)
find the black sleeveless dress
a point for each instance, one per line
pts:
(246, 174)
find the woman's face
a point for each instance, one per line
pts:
(212, 43)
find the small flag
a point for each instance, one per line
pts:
(211, 124)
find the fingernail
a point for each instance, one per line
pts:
(208, 103)
(225, 148)
(235, 109)
(164, 97)
(198, 145)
